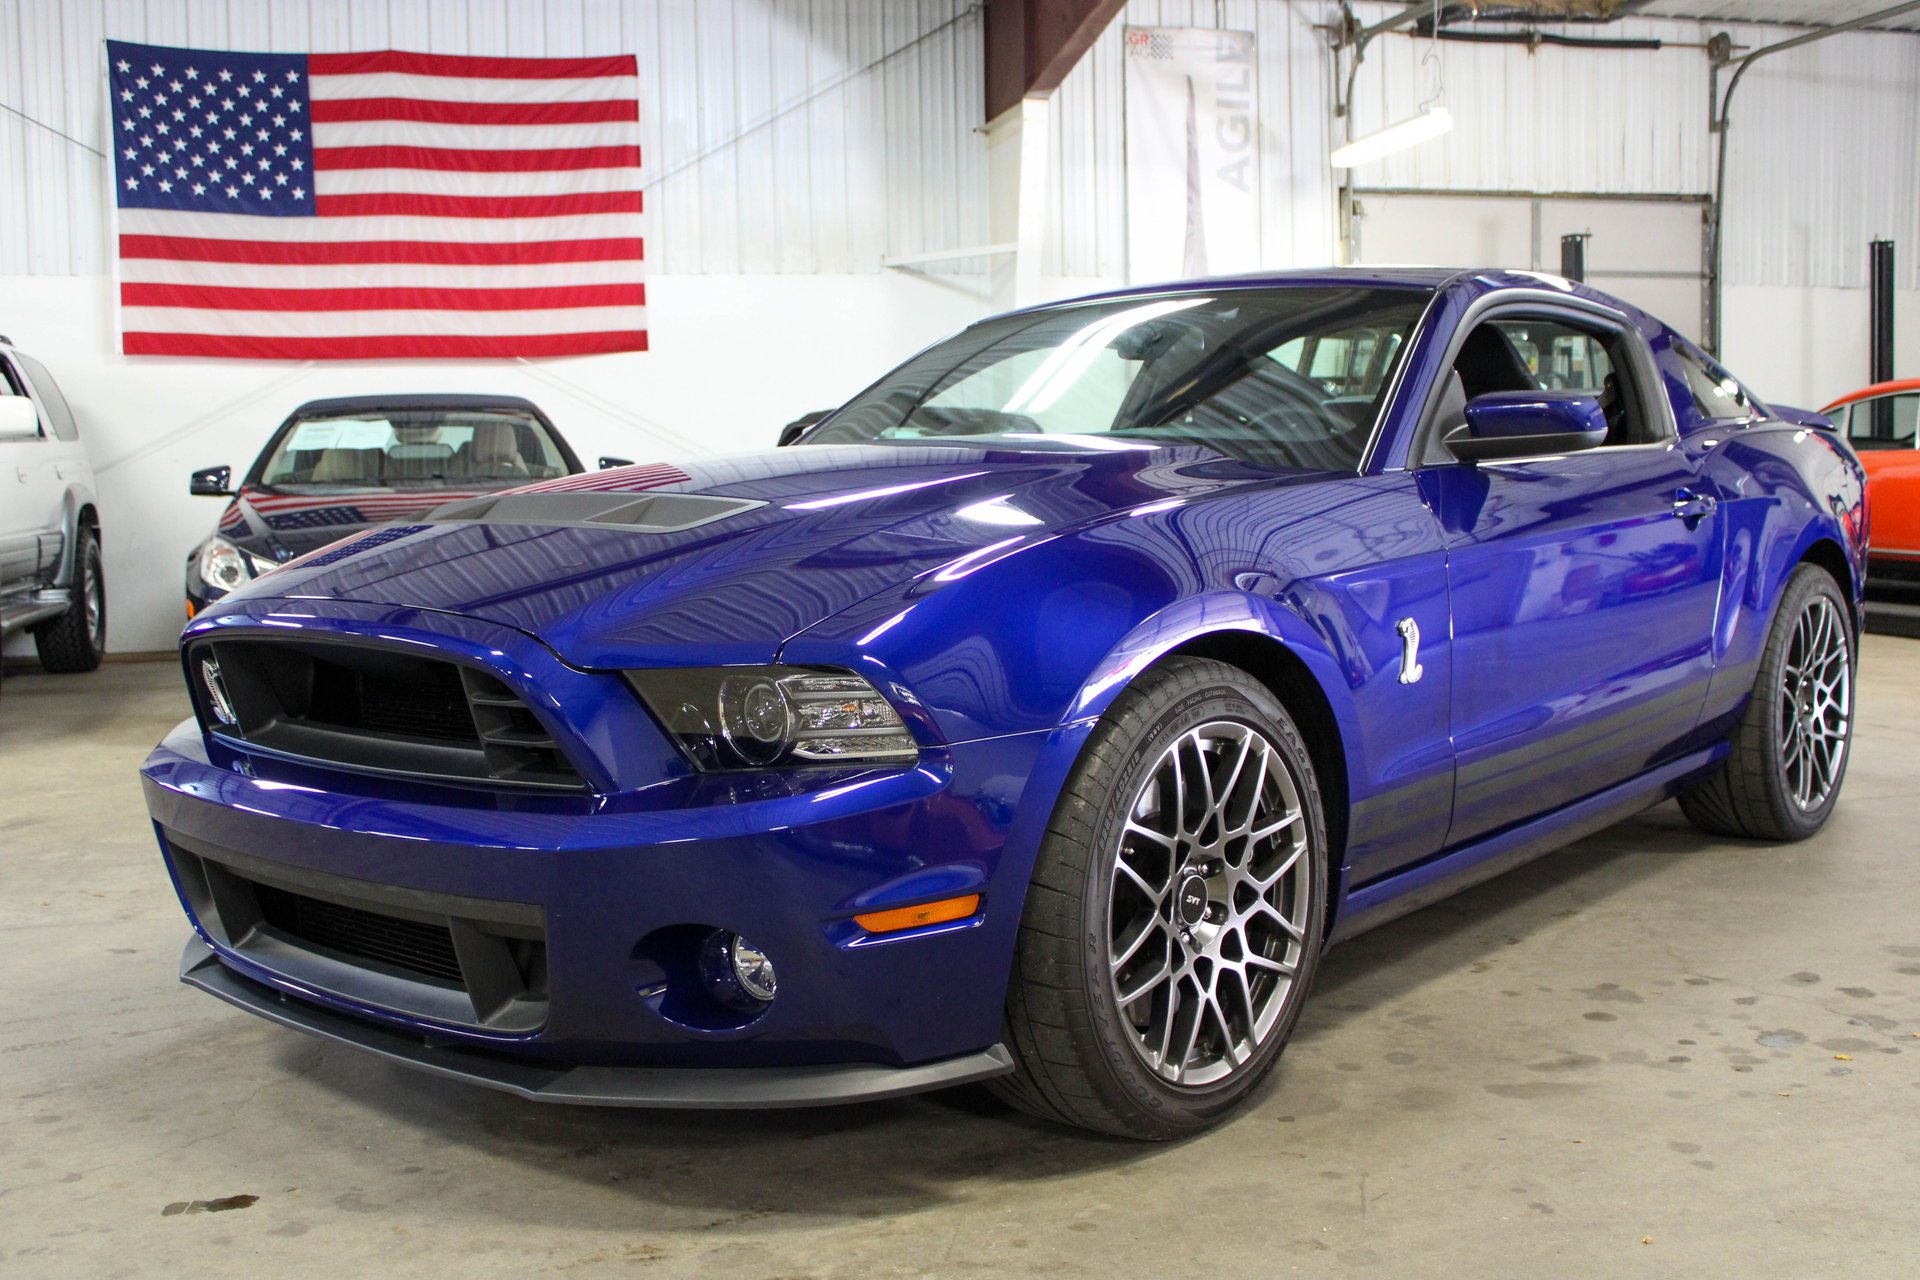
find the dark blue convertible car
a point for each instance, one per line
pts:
(1039, 718)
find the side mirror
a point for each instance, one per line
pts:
(212, 482)
(798, 427)
(608, 463)
(18, 418)
(1521, 424)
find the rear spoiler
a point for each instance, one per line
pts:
(1801, 417)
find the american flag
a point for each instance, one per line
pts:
(368, 205)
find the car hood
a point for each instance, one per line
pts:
(279, 526)
(722, 561)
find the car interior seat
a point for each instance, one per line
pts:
(347, 466)
(494, 450)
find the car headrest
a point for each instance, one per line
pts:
(1488, 361)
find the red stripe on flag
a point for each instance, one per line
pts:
(223, 298)
(381, 347)
(443, 64)
(335, 111)
(412, 204)
(448, 159)
(437, 252)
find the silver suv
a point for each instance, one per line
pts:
(50, 577)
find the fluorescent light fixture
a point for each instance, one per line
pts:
(1429, 124)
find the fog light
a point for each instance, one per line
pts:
(737, 973)
(752, 969)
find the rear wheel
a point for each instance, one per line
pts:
(1174, 922)
(77, 639)
(1789, 753)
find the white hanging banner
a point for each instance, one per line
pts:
(1193, 155)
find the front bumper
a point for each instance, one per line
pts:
(666, 1087)
(858, 1015)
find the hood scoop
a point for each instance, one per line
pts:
(635, 512)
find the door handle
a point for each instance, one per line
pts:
(1693, 507)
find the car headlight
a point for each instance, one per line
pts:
(223, 566)
(770, 717)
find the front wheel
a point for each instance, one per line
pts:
(1789, 754)
(1175, 918)
(77, 639)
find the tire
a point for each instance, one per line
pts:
(1120, 873)
(77, 639)
(1790, 749)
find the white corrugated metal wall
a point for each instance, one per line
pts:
(775, 145)
(772, 141)
(1086, 224)
(1550, 119)
(1824, 155)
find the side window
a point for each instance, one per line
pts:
(1529, 353)
(12, 384)
(1886, 422)
(56, 404)
(1838, 417)
(1715, 393)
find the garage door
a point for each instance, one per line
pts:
(1649, 252)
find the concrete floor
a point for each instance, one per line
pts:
(1648, 1054)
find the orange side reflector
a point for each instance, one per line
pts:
(189, 611)
(913, 917)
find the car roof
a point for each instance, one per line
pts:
(1428, 279)
(431, 400)
(1877, 389)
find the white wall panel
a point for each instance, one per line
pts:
(771, 141)
(1087, 221)
(1823, 156)
(1824, 153)
(1547, 119)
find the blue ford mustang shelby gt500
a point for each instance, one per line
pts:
(1039, 718)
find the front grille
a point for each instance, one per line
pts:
(473, 962)
(433, 709)
(372, 708)
(425, 949)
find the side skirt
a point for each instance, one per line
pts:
(1421, 886)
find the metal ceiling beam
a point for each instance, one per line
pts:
(1032, 44)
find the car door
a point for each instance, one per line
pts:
(1584, 587)
(28, 515)
(1883, 431)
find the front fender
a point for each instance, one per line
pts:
(78, 498)
(1200, 618)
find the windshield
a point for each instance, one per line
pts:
(1289, 378)
(413, 449)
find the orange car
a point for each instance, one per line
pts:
(1880, 422)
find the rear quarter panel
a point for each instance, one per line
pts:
(1785, 488)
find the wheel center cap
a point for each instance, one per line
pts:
(1192, 901)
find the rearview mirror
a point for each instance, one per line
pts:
(608, 463)
(18, 417)
(1524, 424)
(212, 482)
(798, 427)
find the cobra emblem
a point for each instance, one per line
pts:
(217, 692)
(1410, 668)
